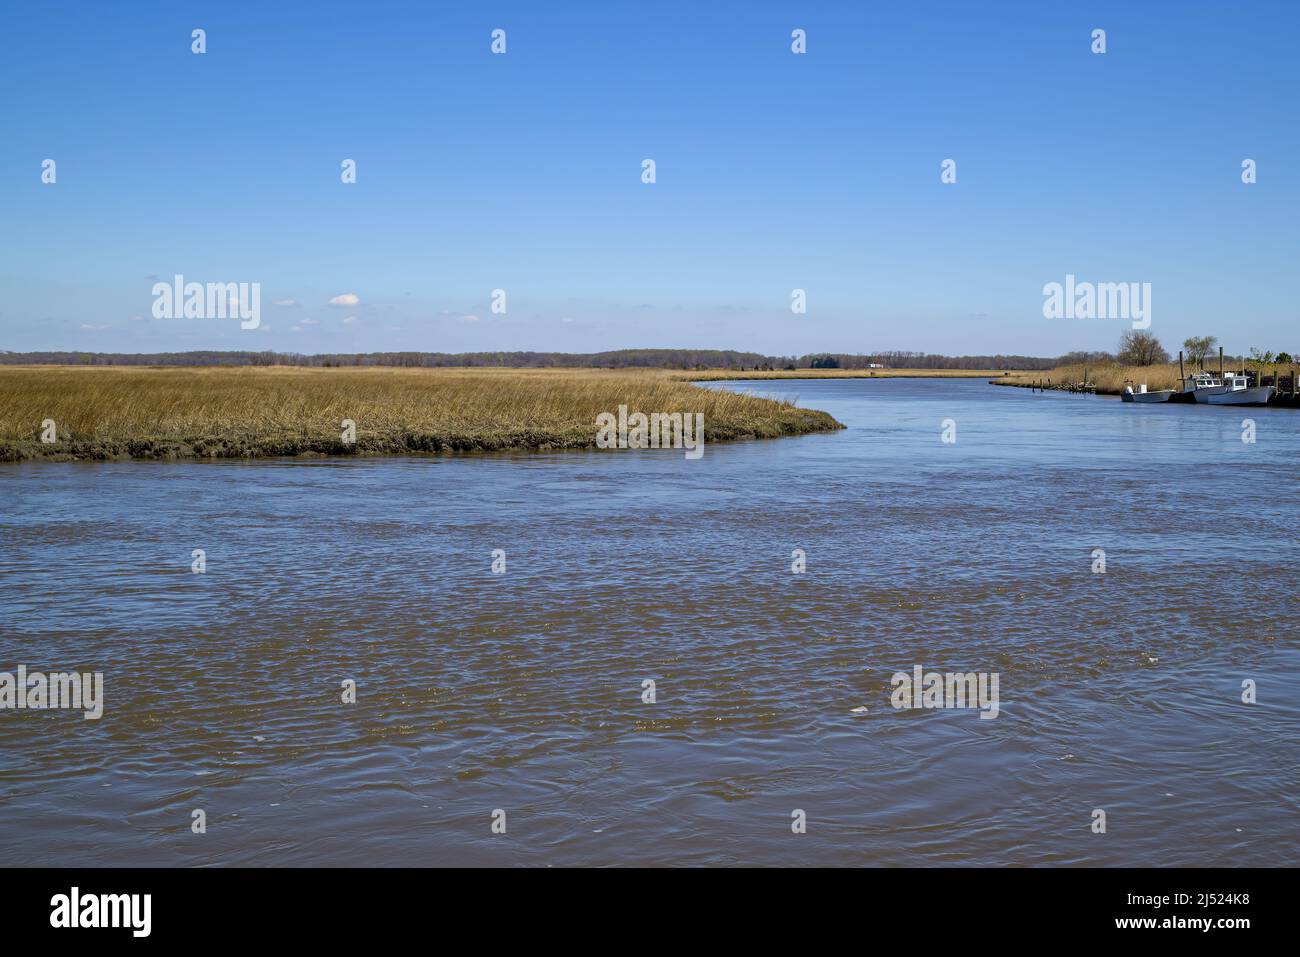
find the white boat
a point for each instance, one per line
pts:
(1142, 395)
(1232, 389)
(1206, 383)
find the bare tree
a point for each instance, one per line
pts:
(1141, 349)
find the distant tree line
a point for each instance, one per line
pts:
(618, 359)
(918, 360)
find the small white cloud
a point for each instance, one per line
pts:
(87, 327)
(309, 322)
(286, 302)
(469, 318)
(349, 320)
(295, 328)
(347, 299)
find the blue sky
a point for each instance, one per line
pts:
(775, 171)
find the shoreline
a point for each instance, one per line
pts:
(1104, 391)
(223, 448)
(1109, 379)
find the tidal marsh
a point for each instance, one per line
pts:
(1109, 378)
(222, 412)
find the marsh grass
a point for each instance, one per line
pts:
(117, 412)
(1109, 378)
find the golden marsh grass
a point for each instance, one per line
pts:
(117, 412)
(1109, 378)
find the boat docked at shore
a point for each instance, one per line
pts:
(1142, 395)
(1230, 389)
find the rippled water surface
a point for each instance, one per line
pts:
(522, 691)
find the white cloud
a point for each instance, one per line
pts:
(469, 318)
(286, 302)
(349, 320)
(347, 299)
(310, 322)
(87, 327)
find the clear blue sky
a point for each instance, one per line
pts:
(523, 172)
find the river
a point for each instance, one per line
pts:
(522, 691)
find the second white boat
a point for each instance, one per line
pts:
(1232, 389)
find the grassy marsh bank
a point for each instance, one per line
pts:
(1109, 378)
(222, 412)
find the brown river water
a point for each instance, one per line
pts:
(522, 691)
